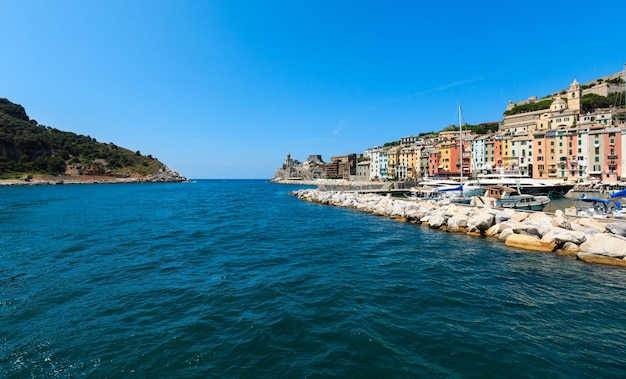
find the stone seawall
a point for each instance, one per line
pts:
(588, 239)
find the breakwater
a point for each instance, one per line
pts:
(588, 239)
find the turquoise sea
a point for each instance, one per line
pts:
(236, 279)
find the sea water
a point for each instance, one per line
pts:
(236, 279)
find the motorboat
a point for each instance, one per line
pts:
(507, 197)
(596, 207)
(453, 194)
(424, 193)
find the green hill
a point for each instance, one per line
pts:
(27, 148)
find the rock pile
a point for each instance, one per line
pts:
(589, 239)
(167, 175)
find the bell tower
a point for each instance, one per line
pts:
(575, 97)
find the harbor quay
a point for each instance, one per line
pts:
(588, 239)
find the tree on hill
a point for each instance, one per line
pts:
(27, 147)
(483, 128)
(532, 107)
(393, 143)
(591, 101)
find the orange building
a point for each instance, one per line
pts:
(540, 170)
(497, 152)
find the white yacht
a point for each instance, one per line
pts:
(524, 184)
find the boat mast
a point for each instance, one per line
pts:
(461, 140)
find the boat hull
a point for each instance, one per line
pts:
(536, 205)
(551, 190)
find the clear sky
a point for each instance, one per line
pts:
(225, 89)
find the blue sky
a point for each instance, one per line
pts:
(225, 89)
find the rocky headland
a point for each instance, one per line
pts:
(163, 175)
(587, 239)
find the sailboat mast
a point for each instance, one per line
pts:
(461, 140)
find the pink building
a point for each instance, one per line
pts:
(612, 167)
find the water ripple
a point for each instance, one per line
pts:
(237, 279)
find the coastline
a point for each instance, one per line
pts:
(587, 239)
(38, 180)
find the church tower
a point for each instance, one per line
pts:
(575, 97)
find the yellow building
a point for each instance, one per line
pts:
(392, 161)
(445, 155)
(407, 161)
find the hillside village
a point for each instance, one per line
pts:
(551, 138)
